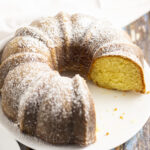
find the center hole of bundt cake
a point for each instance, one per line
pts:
(116, 72)
(67, 74)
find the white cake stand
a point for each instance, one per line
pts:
(120, 115)
(6, 142)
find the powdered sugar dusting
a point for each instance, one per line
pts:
(36, 96)
(55, 109)
(82, 94)
(80, 25)
(34, 32)
(56, 96)
(32, 43)
(18, 59)
(16, 82)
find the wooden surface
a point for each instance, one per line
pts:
(140, 34)
(139, 31)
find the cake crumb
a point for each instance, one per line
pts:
(123, 94)
(148, 92)
(115, 109)
(121, 117)
(107, 133)
(97, 129)
(123, 113)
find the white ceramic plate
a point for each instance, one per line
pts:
(119, 114)
(6, 142)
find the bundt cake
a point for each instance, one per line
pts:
(60, 109)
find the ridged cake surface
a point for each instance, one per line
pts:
(58, 109)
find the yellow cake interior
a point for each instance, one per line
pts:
(116, 72)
